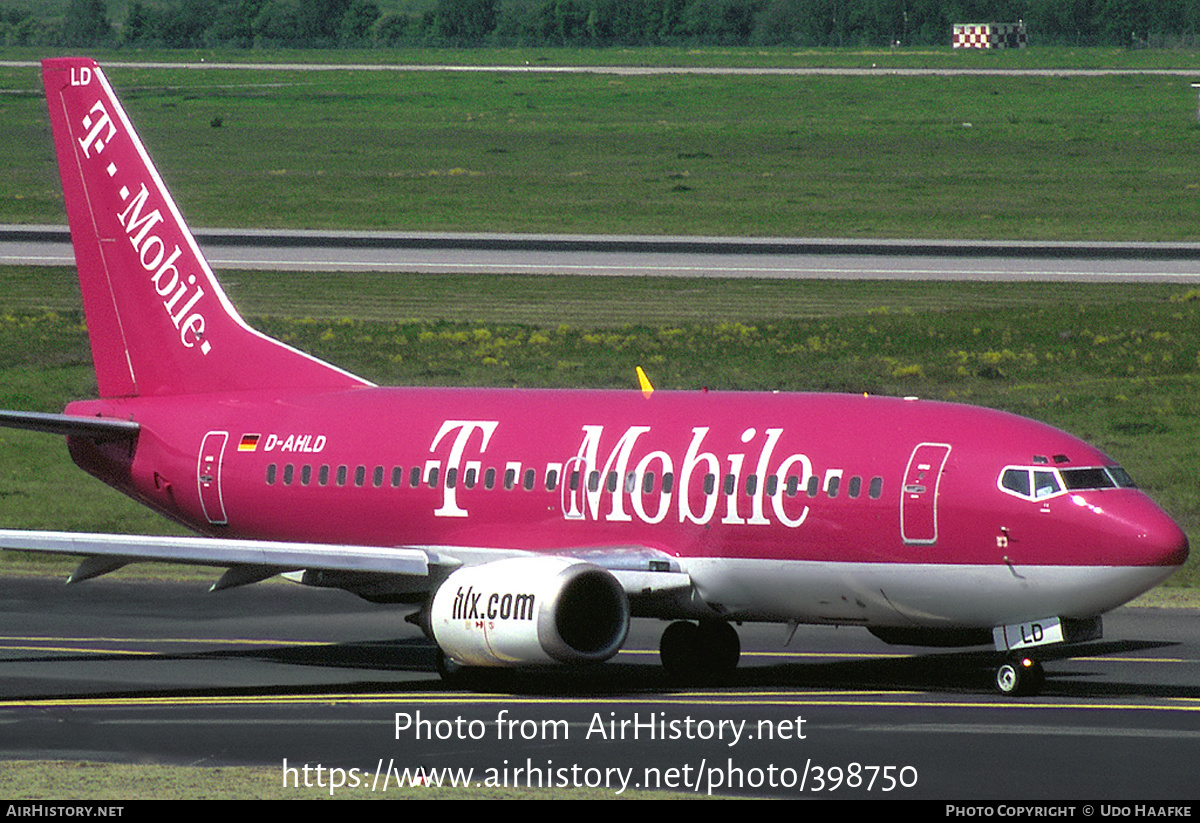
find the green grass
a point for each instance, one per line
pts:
(1037, 57)
(23, 780)
(1109, 158)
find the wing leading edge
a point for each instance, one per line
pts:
(248, 560)
(645, 574)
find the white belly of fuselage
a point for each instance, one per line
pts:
(913, 594)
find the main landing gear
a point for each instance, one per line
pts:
(1020, 676)
(689, 650)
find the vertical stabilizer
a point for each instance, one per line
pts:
(158, 320)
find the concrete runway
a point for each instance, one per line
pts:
(164, 672)
(770, 258)
(538, 68)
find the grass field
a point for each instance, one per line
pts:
(119, 781)
(1110, 158)
(1037, 57)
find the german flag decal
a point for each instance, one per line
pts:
(249, 442)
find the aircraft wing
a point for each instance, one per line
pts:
(645, 574)
(248, 560)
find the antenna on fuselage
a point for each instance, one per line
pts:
(644, 383)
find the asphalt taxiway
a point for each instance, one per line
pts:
(166, 672)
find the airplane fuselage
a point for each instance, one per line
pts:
(790, 507)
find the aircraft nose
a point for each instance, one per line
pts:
(1136, 532)
(1167, 542)
(1158, 540)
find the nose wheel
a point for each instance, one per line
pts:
(1020, 676)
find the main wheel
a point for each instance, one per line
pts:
(720, 646)
(679, 649)
(687, 650)
(1020, 676)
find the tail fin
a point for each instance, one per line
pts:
(158, 321)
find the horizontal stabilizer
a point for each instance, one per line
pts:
(96, 428)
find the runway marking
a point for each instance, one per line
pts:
(77, 650)
(736, 700)
(786, 654)
(18, 642)
(1032, 730)
(896, 656)
(689, 271)
(665, 270)
(22, 643)
(22, 259)
(249, 640)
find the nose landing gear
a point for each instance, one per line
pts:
(1020, 676)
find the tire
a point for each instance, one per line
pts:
(679, 649)
(720, 647)
(1020, 677)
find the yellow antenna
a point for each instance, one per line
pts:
(644, 382)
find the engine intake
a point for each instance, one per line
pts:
(530, 610)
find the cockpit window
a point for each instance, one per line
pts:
(1087, 479)
(1045, 484)
(1121, 477)
(1041, 482)
(1016, 481)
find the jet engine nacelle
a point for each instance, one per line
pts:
(530, 610)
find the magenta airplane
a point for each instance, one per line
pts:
(527, 527)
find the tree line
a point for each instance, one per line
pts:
(601, 23)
